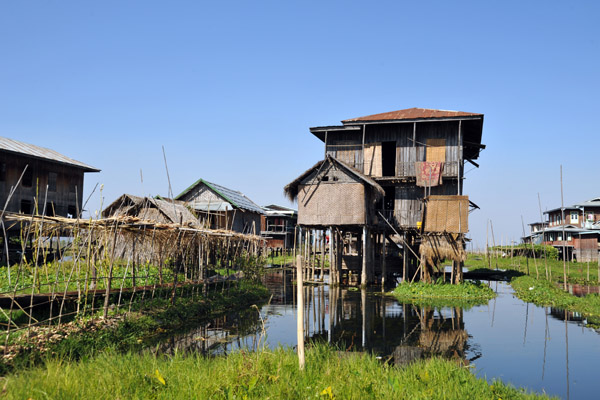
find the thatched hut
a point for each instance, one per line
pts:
(333, 193)
(151, 209)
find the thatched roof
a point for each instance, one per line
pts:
(148, 208)
(291, 189)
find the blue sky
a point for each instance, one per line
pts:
(231, 88)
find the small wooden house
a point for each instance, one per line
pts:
(222, 208)
(45, 175)
(277, 226)
(332, 193)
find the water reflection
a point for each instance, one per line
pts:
(524, 345)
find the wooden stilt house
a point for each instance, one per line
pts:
(416, 157)
(219, 207)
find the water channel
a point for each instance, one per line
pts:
(541, 349)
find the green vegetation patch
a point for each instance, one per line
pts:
(150, 321)
(463, 295)
(262, 375)
(544, 293)
(540, 267)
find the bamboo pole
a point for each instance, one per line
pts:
(365, 252)
(562, 215)
(300, 317)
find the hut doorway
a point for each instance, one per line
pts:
(388, 158)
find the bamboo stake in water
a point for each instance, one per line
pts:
(543, 238)
(300, 318)
(562, 212)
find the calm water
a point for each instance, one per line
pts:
(541, 349)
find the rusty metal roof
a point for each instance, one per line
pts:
(14, 146)
(412, 113)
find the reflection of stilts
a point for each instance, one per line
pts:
(567, 351)
(526, 319)
(545, 342)
(363, 310)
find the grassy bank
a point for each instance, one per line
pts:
(577, 272)
(127, 331)
(464, 295)
(544, 293)
(261, 375)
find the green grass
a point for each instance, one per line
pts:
(261, 375)
(150, 321)
(577, 272)
(464, 295)
(60, 276)
(544, 293)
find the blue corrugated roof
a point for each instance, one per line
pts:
(236, 198)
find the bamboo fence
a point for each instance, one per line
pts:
(66, 268)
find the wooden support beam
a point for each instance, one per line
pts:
(472, 162)
(383, 265)
(365, 254)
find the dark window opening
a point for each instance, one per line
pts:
(52, 181)
(71, 212)
(50, 209)
(26, 206)
(325, 178)
(28, 178)
(2, 172)
(388, 158)
(335, 178)
(389, 199)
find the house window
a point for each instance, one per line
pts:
(26, 206)
(569, 237)
(28, 178)
(574, 217)
(590, 217)
(52, 181)
(71, 212)
(2, 172)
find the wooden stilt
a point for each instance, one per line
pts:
(365, 253)
(383, 263)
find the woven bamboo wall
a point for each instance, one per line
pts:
(447, 214)
(331, 204)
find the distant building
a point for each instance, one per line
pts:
(277, 226)
(574, 228)
(219, 207)
(51, 182)
(582, 215)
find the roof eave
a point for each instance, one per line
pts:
(84, 167)
(353, 122)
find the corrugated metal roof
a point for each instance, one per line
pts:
(14, 146)
(412, 113)
(595, 202)
(236, 198)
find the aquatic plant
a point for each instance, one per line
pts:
(266, 374)
(466, 294)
